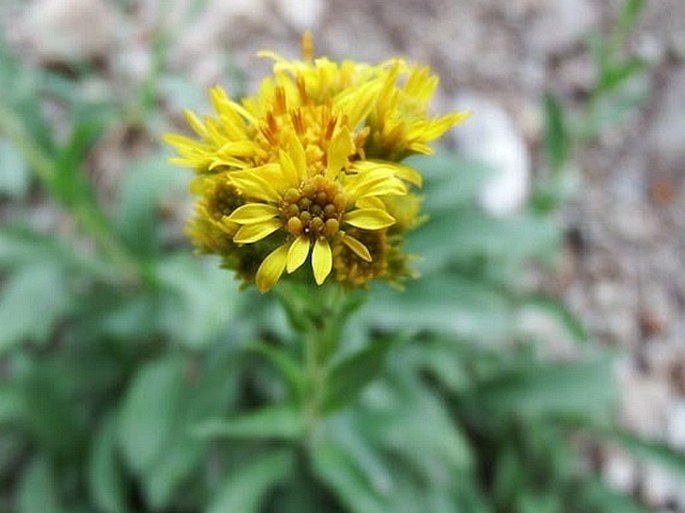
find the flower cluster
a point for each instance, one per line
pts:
(310, 169)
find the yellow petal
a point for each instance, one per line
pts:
(373, 182)
(409, 174)
(271, 269)
(322, 260)
(253, 213)
(288, 169)
(195, 122)
(250, 233)
(297, 253)
(340, 148)
(237, 149)
(370, 202)
(369, 218)
(298, 156)
(359, 248)
(254, 182)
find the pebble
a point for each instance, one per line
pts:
(492, 137)
(301, 14)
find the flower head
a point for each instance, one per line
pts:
(309, 169)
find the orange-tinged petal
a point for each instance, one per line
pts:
(250, 233)
(322, 260)
(297, 253)
(252, 213)
(369, 218)
(271, 269)
(358, 247)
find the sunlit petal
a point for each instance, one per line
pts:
(271, 269)
(369, 218)
(250, 233)
(253, 213)
(322, 260)
(359, 249)
(298, 252)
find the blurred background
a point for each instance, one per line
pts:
(110, 76)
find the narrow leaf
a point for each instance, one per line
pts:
(105, 479)
(244, 490)
(350, 377)
(271, 422)
(556, 133)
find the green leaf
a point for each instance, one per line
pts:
(31, 301)
(12, 403)
(206, 394)
(597, 496)
(271, 422)
(442, 302)
(14, 173)
(614, 108)
(38, 489)
(290, 369)
(451, 181)
(561, 314)
(556, 138)
(149, 413)
(579, 389)
(247, 486)
(339, 471)
(628, 16)
(349, 377)
(105, 479)
(617, 75)
(199, 300)
(145, 184)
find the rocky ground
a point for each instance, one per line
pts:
(623, 275)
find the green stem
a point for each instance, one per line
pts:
(83, 209)
(318, 314)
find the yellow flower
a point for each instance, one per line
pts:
(309, 168)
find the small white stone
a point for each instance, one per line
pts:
(491, 136)
(658, 486)
(676, 424)
(620, 471)
(301, 14)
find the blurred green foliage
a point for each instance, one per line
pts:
(136, 377)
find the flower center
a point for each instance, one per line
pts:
(315, 208)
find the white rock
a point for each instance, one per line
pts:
(561, 24)
(620, 471)
(301, 14)
(658, 486)
(645, 401)
(69, 30)
(675, 430)
(491, 136)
